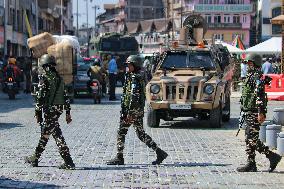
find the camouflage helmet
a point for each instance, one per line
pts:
(135, 60)
(46, 60)
(255, 58)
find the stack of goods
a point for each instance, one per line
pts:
(61, 47)
(39, 44)
(63, 53)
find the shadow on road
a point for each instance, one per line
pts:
(192, 123)
(11, 183)
(21, 101)
(9, 125)
(90, 102)
(145, 166)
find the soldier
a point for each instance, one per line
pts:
(51, 98)
(253, 104)
(132, 112)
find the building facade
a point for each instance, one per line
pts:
(226, 18)
(42, 15)
(267, 10)
(116, 15)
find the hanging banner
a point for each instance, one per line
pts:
(28, 26)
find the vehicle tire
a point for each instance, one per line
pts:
(216, 117)
(152, 118)
(226, 117)
(11, 95)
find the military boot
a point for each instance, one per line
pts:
(118, 160)
(68, 164)
(32, 160)
(249, 167)
(274, 160)
(161, 155)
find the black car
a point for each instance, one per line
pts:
(82, 79)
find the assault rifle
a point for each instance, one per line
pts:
(241, 121)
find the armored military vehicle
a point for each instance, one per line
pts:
(117, 44)
(192, 79)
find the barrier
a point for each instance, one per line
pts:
(275, 91)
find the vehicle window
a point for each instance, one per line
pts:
(110, 44)
(129, 44)
(179, 60)
(84, 65)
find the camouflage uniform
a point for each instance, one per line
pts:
(253, 83)
(132, 112)
(132, 104)
(52, 113)
(52, 99)
(253, 104)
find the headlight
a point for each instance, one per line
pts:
(209, 89)
(155, 89)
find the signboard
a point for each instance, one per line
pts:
(20, 38)
(9, 32)
(234, 8)
(2, 35)
(14, 38)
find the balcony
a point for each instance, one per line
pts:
(224, 26)
(225, 8)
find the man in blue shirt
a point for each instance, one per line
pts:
(243, 70)
(267, 67)
(112, 69)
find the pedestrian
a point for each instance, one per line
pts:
(51, 99)
(28, 75)
(267, 67)
(112, 71)
(95, 71)
(105, 61)
(12, 70)
(243, 70)
(254, 106)
(132, 112)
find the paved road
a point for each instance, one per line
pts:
(199, 157)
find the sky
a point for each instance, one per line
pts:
(82, 10)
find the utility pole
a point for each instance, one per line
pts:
(181, 13)
(172, 10)
(5, 27)
(95, 24)
(77, 19)
(36, 16)
(61, 12)
(88, 32)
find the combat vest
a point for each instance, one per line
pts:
(55, 95)
(248, 99)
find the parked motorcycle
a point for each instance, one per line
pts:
(96, 89)
(11, 88)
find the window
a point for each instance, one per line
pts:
(276, 29)
(234, 1)
(134, 2)
(135, 13)
(207, 1)
(208, 18)
(218, 36)
(244, 18)
(236, 19)
(227, 18)
(196, 59)
(217, 19)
